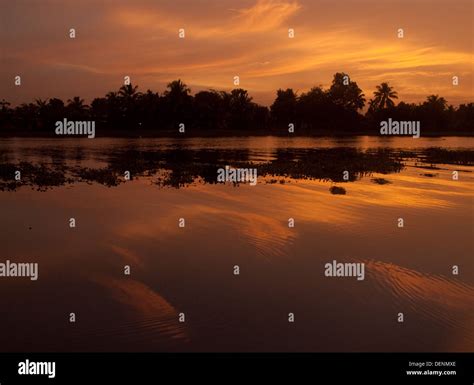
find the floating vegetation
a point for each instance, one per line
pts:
(181, 167)
(336, 190)
(444, 156)
(104, 176)
(40, 177)
(380, 181)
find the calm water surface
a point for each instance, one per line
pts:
(190, 270)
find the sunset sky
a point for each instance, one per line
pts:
(225, 38)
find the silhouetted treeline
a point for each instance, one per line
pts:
(336, 109)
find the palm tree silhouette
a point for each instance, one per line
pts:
(76, 104)
(178, 103)
(129, 92)
(41, 103)
(383, 97)
(112, 96)
(176, 88)
(436, 103)
(76, 109)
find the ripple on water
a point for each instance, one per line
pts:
(436, 298)
(154, 321)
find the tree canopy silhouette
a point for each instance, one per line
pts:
(383, 98)
(337, 109)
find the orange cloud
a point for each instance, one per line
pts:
(141, 40)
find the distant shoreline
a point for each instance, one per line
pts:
(225, 133)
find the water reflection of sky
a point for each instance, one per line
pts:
(189, 269)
